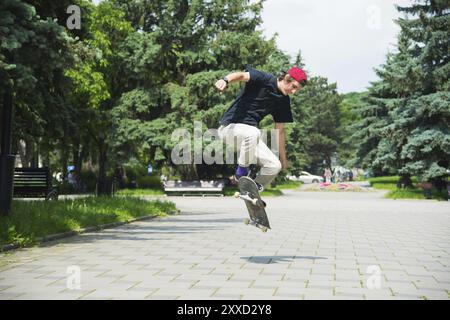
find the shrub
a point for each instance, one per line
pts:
(149, 182)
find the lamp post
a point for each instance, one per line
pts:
(7, 160)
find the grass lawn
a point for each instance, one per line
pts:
(390, 183)
(140, 192)
(387, 183)
(289, 185)
(33, 219)
(228, 191)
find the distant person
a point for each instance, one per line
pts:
(71, 177)
(327, 175)
(73, 180)
(366, 175)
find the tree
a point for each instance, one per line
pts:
(426, 114)
(171, 61)
(97, 79)
(314, 137)
(408, 132)
(350, 116)
(40, 49)
(400, 78)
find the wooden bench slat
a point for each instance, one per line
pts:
(34, 182)
(195, 187)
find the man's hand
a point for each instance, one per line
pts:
(221, 85)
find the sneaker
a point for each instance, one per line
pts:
(240, 172)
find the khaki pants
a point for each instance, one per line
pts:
(252, 150)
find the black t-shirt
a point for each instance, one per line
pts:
(258, 98)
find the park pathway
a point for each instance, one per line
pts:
(323, 245)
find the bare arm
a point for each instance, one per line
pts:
(221, 84)
(282, 144)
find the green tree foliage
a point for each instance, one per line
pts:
(172, 60)
(426, 116)
(137, 70)
(405, 126)
(99, 80)
(314, 136)
(351, 103)
(33, 54)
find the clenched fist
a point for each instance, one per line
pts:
(221, 85)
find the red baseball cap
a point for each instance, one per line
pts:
(297, 74)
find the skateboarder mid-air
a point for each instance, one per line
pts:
(262, 94)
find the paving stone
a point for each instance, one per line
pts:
(207, 253)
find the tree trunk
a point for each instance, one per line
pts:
(327, 161)
(103, 185)
(46, 159)
(27, 153)
(189, 172)
(21, 148)
(151, 154)
(76, 157)
(34, 154)
(63, 159)
(7, 160)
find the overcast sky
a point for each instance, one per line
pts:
(341, 40)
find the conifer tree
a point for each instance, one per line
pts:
(405, 126)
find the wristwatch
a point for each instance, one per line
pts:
(225, 79)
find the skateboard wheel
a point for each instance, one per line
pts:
(237, 194)
(247, 221)
(255, 202)
(264, 229)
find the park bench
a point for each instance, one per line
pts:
(34, 183)
(196, 187)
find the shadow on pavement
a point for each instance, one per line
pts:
(277, 259)
(135, 232)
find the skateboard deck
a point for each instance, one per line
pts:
(255, 206)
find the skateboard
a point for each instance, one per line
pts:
(255, 205)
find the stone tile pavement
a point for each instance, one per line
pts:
(321, 246)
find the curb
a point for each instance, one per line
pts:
(57, 236)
